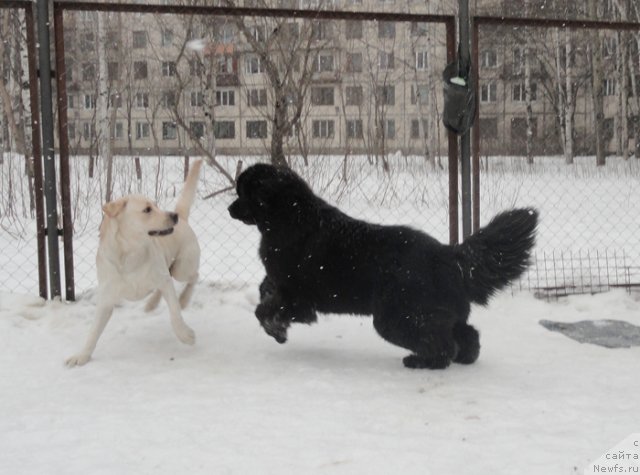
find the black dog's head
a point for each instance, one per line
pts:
(271, 197)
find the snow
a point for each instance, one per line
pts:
(334, 399)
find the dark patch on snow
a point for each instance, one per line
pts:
(607, 333)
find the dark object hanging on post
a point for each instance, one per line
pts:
(459, 96)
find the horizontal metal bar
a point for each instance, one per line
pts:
(557, 23)
(15, 4)
(256, 12)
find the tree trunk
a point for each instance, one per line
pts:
(597, 86)
(568, 111)
(623, 117)
(102, 105)
(528, 99)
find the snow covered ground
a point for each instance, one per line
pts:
(335, 399)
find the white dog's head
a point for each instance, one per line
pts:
(137, 216)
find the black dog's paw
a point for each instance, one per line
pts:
(270, 319)
(275, 329)
(421, 362)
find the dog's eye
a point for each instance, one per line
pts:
(147, 209)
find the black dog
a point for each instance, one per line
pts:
(418, 290)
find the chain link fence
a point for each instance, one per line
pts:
(394, 174)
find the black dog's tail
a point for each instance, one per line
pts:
(498, 253)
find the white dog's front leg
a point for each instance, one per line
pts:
(183, 332)
(102, 318)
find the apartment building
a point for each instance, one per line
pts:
(373, 87)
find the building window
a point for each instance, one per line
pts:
(225, 98)
(421, 60)
(354, 95)
(386, 29)
(169, 131)
(88, 131)
(142, 130)
(224, 129)
(168, 99)
(324, 63)
(196, 129)
(113, 40)
(609, 46)
(258, 33)
(89, 101)
(167, 37)
(354, 129)
(115, 101)
(225, 65)
(168, 68)
(488, 58)
(118, 131)
(196, 68)
(142, 100)
(196, 99)
(354, 62)
(386, 95)
(489, 92)
(87, 42)
(323, 129)
(415, 128)
(419, 94)
(71, 130)
(71, 101)
(113, 71)
(256, 129)
(252, 65)
(385, 60)
(353, 30)
(321, 30)
(256, 97)
(518, 60)
(226, 34)
(489, 127)
(519, 92)
(607, 129)
(69, 66)
(390, 130)
(140, 70)
(322, 96)
(609, 87)
(419, 28)
(88, 71)
(139, 39)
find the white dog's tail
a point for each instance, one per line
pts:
(188, 194)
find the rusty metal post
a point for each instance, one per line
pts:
(65, 186)
(475, 131)
(37, 150)
(453, 147)
(44, 62)
(465, 140)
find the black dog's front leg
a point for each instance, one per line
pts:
(276, 312)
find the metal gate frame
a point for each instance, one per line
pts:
(478, 22)
(60, 6)
(34, 104)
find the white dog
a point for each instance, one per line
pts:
(141, 248)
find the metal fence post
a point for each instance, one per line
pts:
(48, 151)
(465, 141)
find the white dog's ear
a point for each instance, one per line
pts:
(113, 208)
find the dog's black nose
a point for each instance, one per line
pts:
(174, 217)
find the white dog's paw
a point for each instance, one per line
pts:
(186, 335)
(77, 360)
